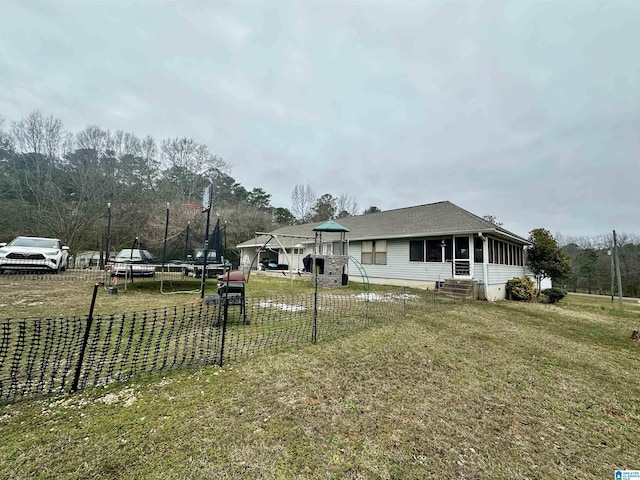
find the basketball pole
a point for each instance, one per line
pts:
(166, 232)
(208, 193)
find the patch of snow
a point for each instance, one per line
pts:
(281, 306)
(387, 297)
(109, 398)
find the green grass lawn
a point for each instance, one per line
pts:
(472, 390)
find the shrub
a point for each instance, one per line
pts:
(521, 289)
(554, 295)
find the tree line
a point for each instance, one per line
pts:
(586, 264)
(58, 183)
(592, 263)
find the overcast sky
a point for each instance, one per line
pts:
(525, 110)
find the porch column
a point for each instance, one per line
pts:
(485, 266)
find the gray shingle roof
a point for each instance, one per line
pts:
(433, 219)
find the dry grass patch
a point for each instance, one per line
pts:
(477, 391)
(53, 298)
(25, 297)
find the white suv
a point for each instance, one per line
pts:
(34, 253)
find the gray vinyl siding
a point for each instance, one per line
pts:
(398, 265)
(500, 274)
(478, 273)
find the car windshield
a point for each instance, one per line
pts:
(134, 255)
(35, 242)
(210, 256)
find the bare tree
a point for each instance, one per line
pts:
(303, 200)
(6, 142)
(493, 219)
(187, 166)
(148, 149)
(149, 153)
(346, 206)
(124, 143)
(187, 154)
(68, 144)
(38, 141)
(40, 135)
(94, 138)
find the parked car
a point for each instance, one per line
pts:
(34, 253)
(86, 259)
(134, 262)
(214, 268)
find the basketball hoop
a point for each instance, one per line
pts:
(192, 206)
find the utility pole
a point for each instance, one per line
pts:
(617, 260)
(613, 285)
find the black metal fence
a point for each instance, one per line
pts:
(42, 356)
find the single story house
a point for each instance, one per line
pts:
(421, 246)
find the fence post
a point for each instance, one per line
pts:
(224, 308)
(85, 340)
(314, 330)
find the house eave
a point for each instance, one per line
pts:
(444, 233)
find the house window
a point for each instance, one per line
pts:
(478, 253)
(431, 250)
(374, 252)
(380, 252)
(416, 251)
(434, 251)
(367, 253)
(504, 253)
